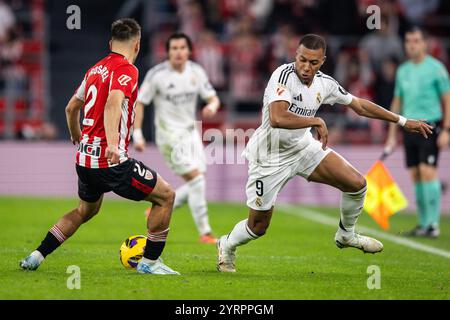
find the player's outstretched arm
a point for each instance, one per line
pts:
(73, 118)
(281, 117)
(369, 109)
(111, 121)
(138, 137)
(391, 140)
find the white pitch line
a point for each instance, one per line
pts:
(316, 216)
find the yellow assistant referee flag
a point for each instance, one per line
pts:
(384, 198)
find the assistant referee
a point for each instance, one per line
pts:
(422, 86)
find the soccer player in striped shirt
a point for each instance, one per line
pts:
(107, 97)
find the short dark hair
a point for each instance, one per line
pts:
(125, 29)
(179, 35)
(417, 29)
(313, 42)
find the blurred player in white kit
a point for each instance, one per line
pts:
(174, 86)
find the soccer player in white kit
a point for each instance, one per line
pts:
(174, 86)
(283, 147)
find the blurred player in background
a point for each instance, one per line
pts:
(283, 147)
(421, 83)
(107, 96)
(174, 86)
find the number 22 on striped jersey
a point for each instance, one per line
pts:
(93, 92)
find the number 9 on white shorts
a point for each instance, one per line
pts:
(265, 182)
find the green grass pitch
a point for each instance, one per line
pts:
(297, 259)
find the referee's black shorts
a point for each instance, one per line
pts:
(131, 180)
(418, 149)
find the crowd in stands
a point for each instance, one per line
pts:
(22, 110)
(240, 43)
(10, 44)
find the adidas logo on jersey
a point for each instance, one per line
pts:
(299, 97)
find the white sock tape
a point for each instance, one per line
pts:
(401, 121)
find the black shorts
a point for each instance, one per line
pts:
(131, 179)
(421, 150)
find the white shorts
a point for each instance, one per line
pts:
(182, 150)
(265, 183)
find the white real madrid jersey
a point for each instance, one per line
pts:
(175, 94)
(274, 146)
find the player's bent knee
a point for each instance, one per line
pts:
(87, 213)
(163, 194)
(362, 182)
(355, 184)
(359, 183)
(170, 197)
(166, 194)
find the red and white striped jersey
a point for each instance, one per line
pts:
(113, 72)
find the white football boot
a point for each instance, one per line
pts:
(156, 268)
(363, 243)
(32, 262)
(225, 258)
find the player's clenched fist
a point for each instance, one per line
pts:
(418, 126)
(112, 154)
(75, 138)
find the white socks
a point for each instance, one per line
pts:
(241, 234)
(197, 204)
(351, 206)
(148, 261)
(181, 196)
(37, 255)
(194, 193)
